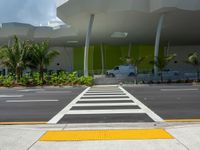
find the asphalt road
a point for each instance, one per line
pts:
(102, 105)
(29, 105)
(171, 101)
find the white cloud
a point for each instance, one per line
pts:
(34, 12)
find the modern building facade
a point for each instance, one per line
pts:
(100, 32)
(149, 27)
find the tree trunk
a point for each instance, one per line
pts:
(197, 75)
(161, 76)
(17, 73)
(42, 73)
(136, 74)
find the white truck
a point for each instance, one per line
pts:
(122, 70)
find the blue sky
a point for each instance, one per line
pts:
(34, 12)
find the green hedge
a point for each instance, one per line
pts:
(56, 79)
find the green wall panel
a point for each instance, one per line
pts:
(112, 55)
(78, 59)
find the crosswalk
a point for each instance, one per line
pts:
(105, 101)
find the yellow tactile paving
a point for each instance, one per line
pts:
(86, 135)
(182, 120)
(21, 123)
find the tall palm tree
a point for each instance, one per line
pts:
(14, 56)
(193, 59)
(42, 56)
(162, 62)
(137, 62)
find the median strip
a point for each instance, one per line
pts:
(87, 135)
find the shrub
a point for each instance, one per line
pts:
(8, 81)
(26, 80)
(61, 78)
(36, 79)
(54, 79)
(86, 81)
(1, 80)
(73, 78)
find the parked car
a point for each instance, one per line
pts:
(125, 70)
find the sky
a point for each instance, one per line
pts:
(35, 12)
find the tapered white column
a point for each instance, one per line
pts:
(87, 44)
(102, 60)
(157, 42)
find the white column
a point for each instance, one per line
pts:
(157, 42)
(87, 44)
(102, 59)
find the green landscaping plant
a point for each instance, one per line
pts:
(14, 56)
(26, 80)
(126, 60)
(193, 59)
(8, 81)
(86, 81)
(1, 80)
(73, 77)
(36, 79)
(162, 62)
(42, 56)
(137, 62)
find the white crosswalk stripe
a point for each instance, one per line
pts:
(107, 104)
(105, 100)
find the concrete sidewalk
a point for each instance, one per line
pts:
(21, 137)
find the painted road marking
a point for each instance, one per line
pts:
(112, 101)
(148, 111)
(87, 135)
(99, 91)
(176, 90)
(105, 104)
(21, 123)
(104, 96)
(30, 101)
(30, 90)
(60, 114)
(104, 93)
(10, 96)
(182, 120)
(106, 111)
(109, 99)
(54, 92)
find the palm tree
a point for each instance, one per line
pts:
(14, 56)
(162, 62)
(194, 60)
(126, 60)
(42, 56)
(137, 62)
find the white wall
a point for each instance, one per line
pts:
(182, 53)
(65, 59)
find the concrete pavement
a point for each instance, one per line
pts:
(23, 137)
